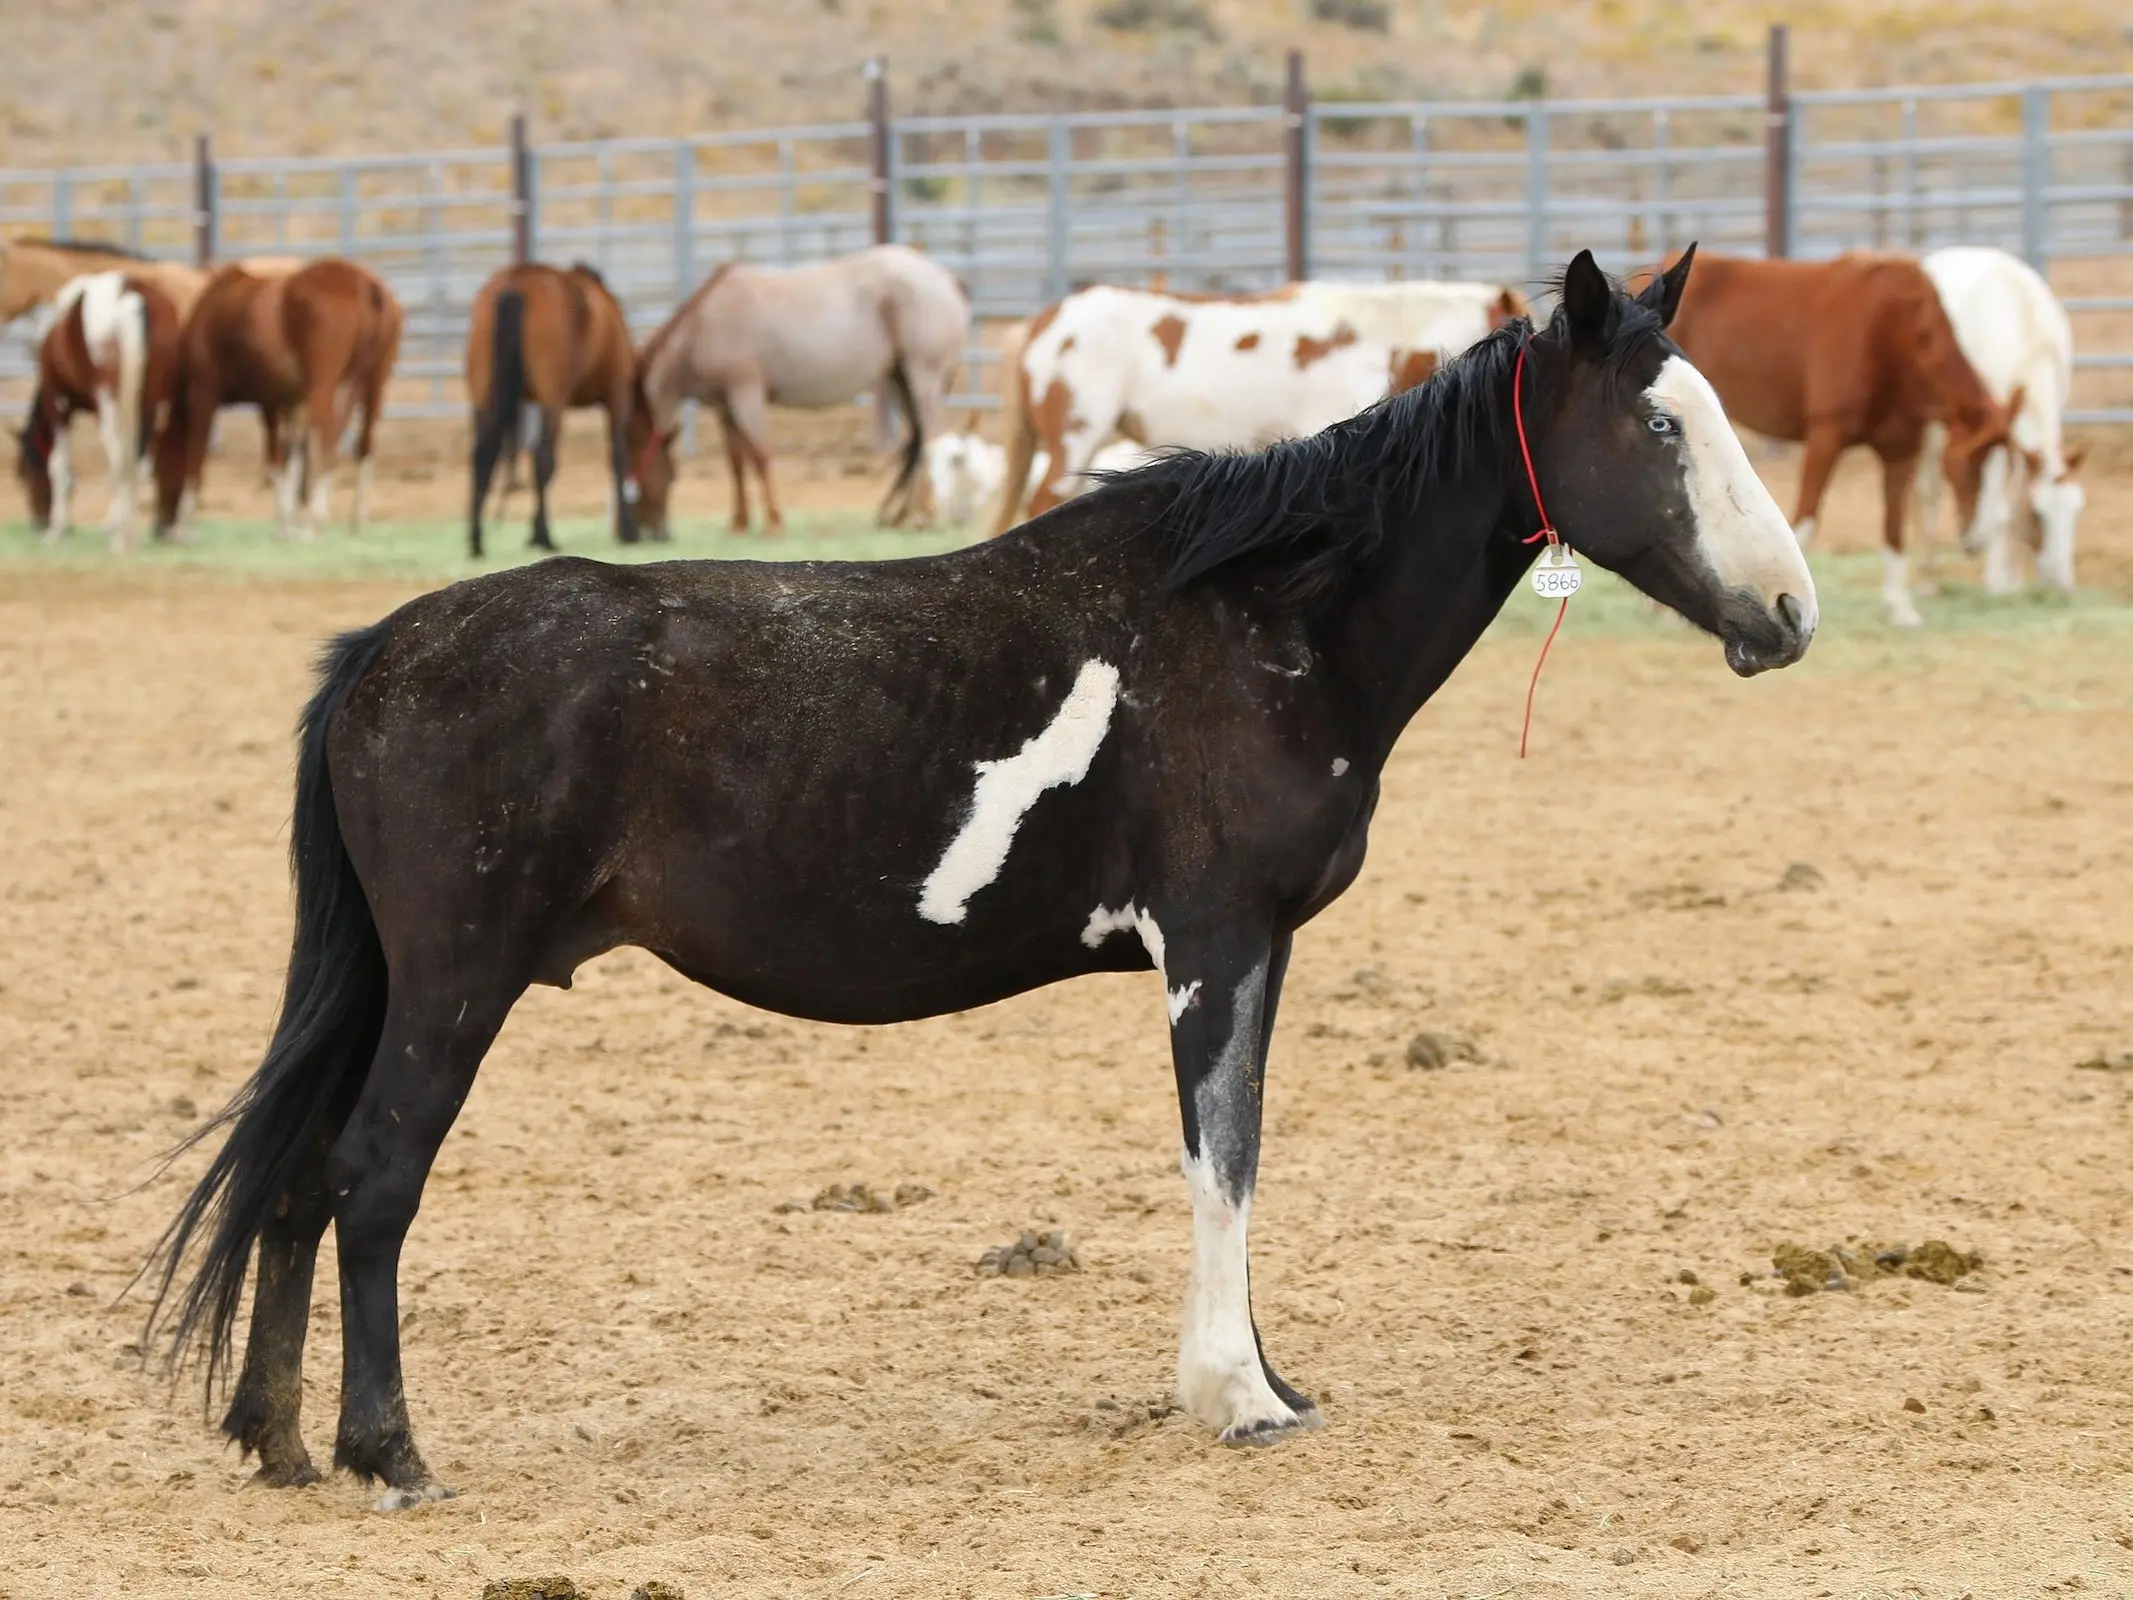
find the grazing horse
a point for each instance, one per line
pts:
(1854, 350)
(1213, 373)
(113, 350)
(752, 337)
(322, 339)
(2017, 337)
(1145, 732)
(559, 339)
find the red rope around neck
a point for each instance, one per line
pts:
(1547, 531)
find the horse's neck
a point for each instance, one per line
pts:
(1441, 581)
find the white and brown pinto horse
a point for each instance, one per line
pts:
(314, 348)
(113, 351)
(1168, 370)
(820, 335)
(2017, 337)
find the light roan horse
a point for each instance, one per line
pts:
(2018, 339)
(113, 350)
(752, 337)
(558, 338)
(1144, 732)
(321, 341)
(1854, 350)
(1209, 372)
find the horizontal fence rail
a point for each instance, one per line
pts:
(1025, 208)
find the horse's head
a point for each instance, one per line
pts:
(2057, 500)
(1642, 471)
(1977, 468)
(648, 474)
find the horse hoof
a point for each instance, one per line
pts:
(1905, 617)
(1274, 1430)
(300, 1476)
(408, 1499)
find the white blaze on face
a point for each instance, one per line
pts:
(1739, 527)
(1007, 788)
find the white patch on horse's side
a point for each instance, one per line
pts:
(1103, 923)
(1006, 789)
(1181, 1000)
(1741, 530)
(1221, 1378)
(1340, 766)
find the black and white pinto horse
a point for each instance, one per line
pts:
(1145, 730)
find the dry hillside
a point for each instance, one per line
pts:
(348, 76)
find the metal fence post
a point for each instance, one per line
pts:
(876, 72)
(684, 219)
(1536, 195)
(204, 197)
(1296, 193)
(1059, 157)
(1778, 162)
(521, 191)
(2036, 176)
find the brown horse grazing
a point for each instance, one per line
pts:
(1855, 350)
(820, 335)
(113, 351)
(558, 339)
(322, 339)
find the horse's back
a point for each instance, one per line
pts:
(2011, 327)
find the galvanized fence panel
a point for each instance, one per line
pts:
(1024, 208)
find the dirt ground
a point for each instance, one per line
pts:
(635, 1365)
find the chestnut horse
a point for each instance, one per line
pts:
(559, 339)
(1855, 350)
(322, 339)
(113, 351)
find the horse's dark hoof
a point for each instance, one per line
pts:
(282, 1476)
(408, 1499)
(1274, 1430)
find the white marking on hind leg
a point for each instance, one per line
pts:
(1007, 788)
(1896, 590)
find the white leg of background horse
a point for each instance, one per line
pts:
(288, 489)
(118, 466)
(1896, 603)
(61, 469)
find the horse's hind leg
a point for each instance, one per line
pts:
(543, 472)
(1897, 471)
(266, 1409)
(1223, 991)
(436, 1032)
(729, 433)
(750, 413)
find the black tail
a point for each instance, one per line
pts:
(507, 372)
(915, 445)
(331, 1015)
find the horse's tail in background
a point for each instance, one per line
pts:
(507, 370)
(1021, 438)
(899, 382)
(332, 1013)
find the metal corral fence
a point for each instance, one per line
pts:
(1024, 208)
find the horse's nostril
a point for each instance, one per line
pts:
(1792, 611)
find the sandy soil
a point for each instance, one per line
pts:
(635, 1365)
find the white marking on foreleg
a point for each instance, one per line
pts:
(61, 470)
(1221, 1378)
(1804, 531)
(1896, 590)
(1006, 789)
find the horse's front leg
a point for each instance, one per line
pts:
(1222, 992)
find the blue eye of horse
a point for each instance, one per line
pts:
(1662, 425)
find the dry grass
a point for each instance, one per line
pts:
(331, 76)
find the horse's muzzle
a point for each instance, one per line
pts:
(1759, 638)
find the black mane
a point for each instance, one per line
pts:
(1318, 509)
(102, 247)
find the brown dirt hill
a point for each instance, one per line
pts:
(339, 76)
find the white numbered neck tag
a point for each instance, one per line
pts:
(1557, 575)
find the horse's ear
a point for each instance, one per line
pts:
(1588, 301)
(1663, 293)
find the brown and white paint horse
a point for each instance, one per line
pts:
(1854, 350)
(321, 341)
(752, 337)
(1200, 372)
(112, 351)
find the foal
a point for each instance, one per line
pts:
(1144, 732)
